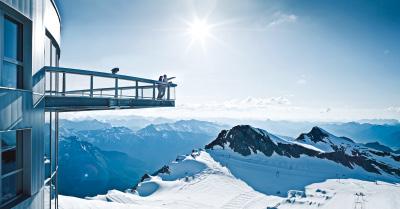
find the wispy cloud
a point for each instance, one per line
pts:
(270, 20)
(242, 104)
(279, 18)
(393, 109)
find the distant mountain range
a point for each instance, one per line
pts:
(85, 170)
(155, 144)
(381, 147)
(95, 144)
(384, 131)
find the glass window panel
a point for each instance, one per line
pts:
(11, 155)
(46, 191)
(8, 139)
(12, 40)
(11, 187)
(53, 56)
(53, 192)
(9, 75)
(47, 159)
(53, 142)
(8, 160)
(47, 56)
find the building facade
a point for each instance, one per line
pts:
(30, 39)
(33, 91)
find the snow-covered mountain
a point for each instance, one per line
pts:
(246, 167)
(312, 157)
(79, 125)
(198, 181)
(385, 132)
(380, 147)
(154, 145)
(182, 126)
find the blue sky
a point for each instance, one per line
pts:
(295, 60)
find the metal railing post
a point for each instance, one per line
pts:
(168, 92)
(57, 83)
(137, 90)
(91, 86)
(51, 83)
(116, 88)
(154, 91)
(63, 84)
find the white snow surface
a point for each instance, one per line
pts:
(212, 180)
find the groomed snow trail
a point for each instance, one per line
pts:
(239, 201)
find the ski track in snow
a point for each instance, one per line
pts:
(239, 201)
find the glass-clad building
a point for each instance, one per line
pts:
(34, 90)
(29, 40)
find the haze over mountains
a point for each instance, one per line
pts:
(94, 143)
(386, 132)
(86, 170)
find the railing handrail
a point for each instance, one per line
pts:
(104, 75)
(110, 89)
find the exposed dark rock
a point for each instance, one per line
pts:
(316, 135)
(246, 140)
(164, 170)
(144, 177)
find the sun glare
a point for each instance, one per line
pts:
(199, 30)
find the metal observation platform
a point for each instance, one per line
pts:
(69, 89)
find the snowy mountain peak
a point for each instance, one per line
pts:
(325, 141)
(316, 135)
(318, 143)
(247, 140)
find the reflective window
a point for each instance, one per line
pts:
(11, 165)
(47, 52)
(11, 72)
(47, 148)
(12, 40)
(11, 75)
(51, 159)
(53, 80)
(11, 187)
(8, 139)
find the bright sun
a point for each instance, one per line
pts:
(199, 30)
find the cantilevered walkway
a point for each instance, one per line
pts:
(69, 89)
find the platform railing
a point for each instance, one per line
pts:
(67, 82)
